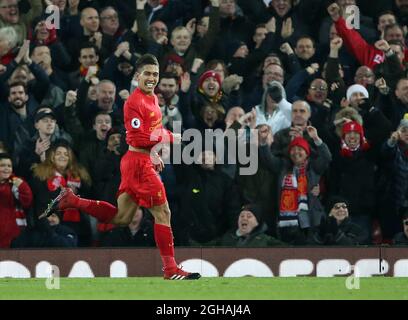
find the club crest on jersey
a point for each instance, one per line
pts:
(135, 123)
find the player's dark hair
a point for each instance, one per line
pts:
(146, 59)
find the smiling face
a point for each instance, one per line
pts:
(210, 116)
(61, 159)
(180, 39)
(105, 95)
(318, 91)
(298, 155)
(46, 126)
(246, 222)
(148, 78)
(103, 123)
(88, 57)
(356, 98)
(17, 97)
(339, 211)
(211, 87)
(281, 7)
(6, 168)
(9, 11)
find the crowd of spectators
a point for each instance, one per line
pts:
(325, 86)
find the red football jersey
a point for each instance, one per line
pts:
(143, 121)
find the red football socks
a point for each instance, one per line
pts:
(164, 241)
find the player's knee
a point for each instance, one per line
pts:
(122, 219)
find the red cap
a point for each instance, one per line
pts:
(353, 126)
(209, 74)
(300, 142)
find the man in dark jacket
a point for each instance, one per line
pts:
(139, 233)
(48, 233)
(337, 228)
(251, 230)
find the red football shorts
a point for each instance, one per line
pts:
(140, 180)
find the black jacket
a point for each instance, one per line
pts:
(46, 236)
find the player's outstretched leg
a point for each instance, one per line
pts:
(164, 241)
(66, 199)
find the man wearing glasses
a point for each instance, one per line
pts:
(10, 16)
(109, 21)
(337, 228)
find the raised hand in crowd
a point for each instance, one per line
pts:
(3, 69)
(286, 48)
(124, 94)
(197, 63)
(97, 39)
(344, 103)
(191, 26)
(232, 82)
(395, 137)
(312, 69)
(265, 136)
(185, 82)
(271, 25)
(41, 146)
(381, 85)
(335, 46)
(295, 132)
(334, 11)
(312, 131)
(22, 53)
(121, 49)
(287, 28)
(382, 45)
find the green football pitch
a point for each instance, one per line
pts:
(245, 288)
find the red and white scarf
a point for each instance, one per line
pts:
(293, 197)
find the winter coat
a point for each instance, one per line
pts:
(346, 233)
(315, 169)
(13, 201)
(257, 238)
(122, 237)
(45, 236)
(281, 118)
